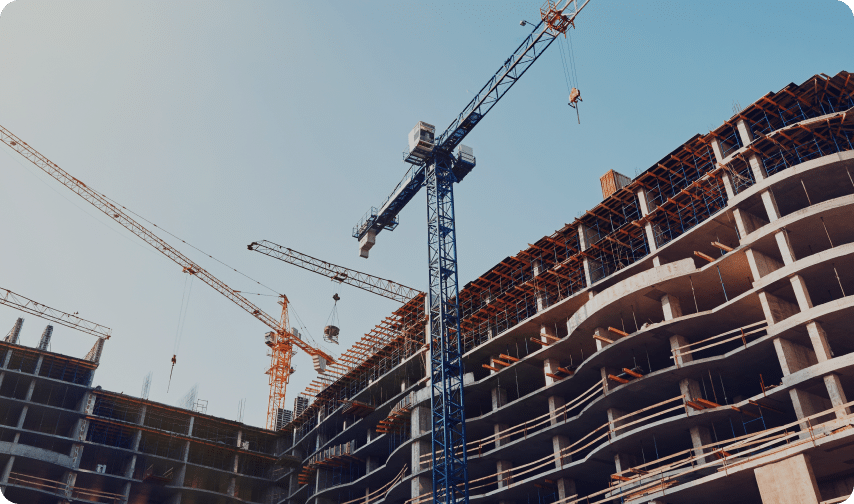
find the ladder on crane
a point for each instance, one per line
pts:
(436, 167)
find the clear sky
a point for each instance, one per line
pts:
(230, 122)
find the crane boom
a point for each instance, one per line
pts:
(283, 342)
(385, 216)
(27, 305)
(370, 283)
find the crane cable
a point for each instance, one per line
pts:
(182, 320)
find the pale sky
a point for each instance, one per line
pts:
(231, 122)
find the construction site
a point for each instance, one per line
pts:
(685, 341)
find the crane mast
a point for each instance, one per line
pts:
(437, 167)
(281, 340)
(364, 281)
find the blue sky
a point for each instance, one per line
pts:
(230, 122)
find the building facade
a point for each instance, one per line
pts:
(63, 441)
(688, 340)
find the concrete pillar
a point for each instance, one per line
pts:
(550, 366)
(420, 485)
(757, 168)
(671, 307)
(691, 390)
(785, 246)
(22, 417)
(770, 204)
(7, 470)
(789, 481)
(802, 294)
(746, 222)
(680, 359)
(566, 488)
(761, 264)
(558, 444)
(39, 364)
(807, 404)
(613, 415)
(700, 437)
(556, 412)
(818, 338)
(836, 394)
(604, 333)
(30, 390)
(793, 357)
(643, 204)
(499, 397)
(776, 309)
(537, 269)
(420, 421)
(502, 468)
(421, 455)
(607, 384)
(585, 239)
(716, 148)
(730, 192)
(498, 429)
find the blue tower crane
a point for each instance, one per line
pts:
(436, 166)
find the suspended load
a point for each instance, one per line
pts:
(331, 331)
(330, 334)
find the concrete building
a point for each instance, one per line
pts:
(63, 441)
(688, 340)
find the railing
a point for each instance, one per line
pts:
(739, 333)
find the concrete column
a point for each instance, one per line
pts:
(818, 338)
(420, 421)
(130, 467)
(716, 148)
(836, 394)
(776, 309)
(757, 168)
(761, 264)
(681, 359)
(421, 455)
(498, 429)
(30, 390)
(700, 437)
(730, 192)
(538, 268)
(566, 488)
(770, 204)
(555, 405)
(22, 417)
(499, 397)
(746, 222)
(546, 333)
(585, 238)
(604, 333)
(39, 364)
(807, 404)
(785, 246)
(671, 307)
(793, 357)
(558, 444)
(420, 485)
(643, 204)
(802, 294)
(607, 384)
(613, 415)
(7, 470)
(690, 389)
(550, 366)
(505, 478)
(790, 481)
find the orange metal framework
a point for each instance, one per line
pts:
(552, 15)
(283, 340)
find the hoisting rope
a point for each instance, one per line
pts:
(182, 319)
(570, 72)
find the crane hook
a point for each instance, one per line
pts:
(174, 360)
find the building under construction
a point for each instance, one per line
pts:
(685, 341)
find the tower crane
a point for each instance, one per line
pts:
(27, 305)
(280, 339)
(340, 274)
(436, 166)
